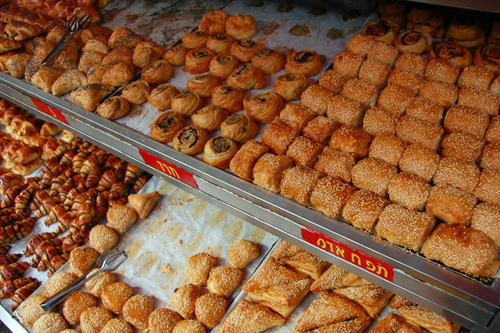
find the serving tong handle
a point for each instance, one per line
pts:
(73, 25)
(106, 262)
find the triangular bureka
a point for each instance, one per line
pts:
(332, 278)
(143, 203)
(432, 322)
(399, 301)
(370, 296)
(395, 324)
(307, 263)
(285, 249)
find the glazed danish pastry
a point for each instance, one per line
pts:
(241, 27)
(203, 84)
(453, 53)
(223, 65)
(247, 77)
(306, 62)
(263, 107)
(198, 60)
(229, 98)
(239, 127)
(214, 22)
(269, 169)
(176, 55)
(219, 42)
(269, 61)
(381, 30)
(161, 96)
(114, 108)
(166, 126)
(245, 49)
(219, 152)
(195, 39)
(291, 86)
(157, 72)
(209, 118)
(136, 92)
(190, 140)
(244, 161)
(187, 103)
(488, 55)
(413, 41)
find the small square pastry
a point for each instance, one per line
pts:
(363, 209)
(373, 174)
(403, 226)
(420, 161)
(285, 249)
(335, 163)
(347, 63)
(306, 263)
(361, 90)
(298, 183)
(441, 70)
(304, 151)
(378, 121)
(493, 132)
(395, 99)
(442, 93)
(486, 217)
(269, 169)
(388, 148)
(462, 119)
(332, 278)
(451, 204)
(320, 129)
(374, 71)
(332, 80)
(481, 100)
(407, 80)
(491, 156)
(360, 44)
(330, 195)
(462, 146)
(383, 52)
(411, 62)
(315, 98)
(243, 162)
(345, 110)
(425, 109)
(409, 190)
(478, 77)
(278, 136)
(420, 132)
(488, 188)
(296, 116)
(351, 140)
(457, 173)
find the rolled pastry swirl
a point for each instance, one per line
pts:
(195, 39)
(245, 49)
(247, 77)
(228, 98)
(453, 53)
(114, 108)
(223, 65)
(187, 103)
(268, 61)
(305, 62)
(219, 42)
(263, 107)
(161, 96)
(166, 126)
(241, 27)
(209, 118)
(198, 60)
(203, 84)
(381, 30)
(219, 152)
(488, 55)
(239, 127)
(176, 55)
(190, 140)
(291, 86)
(413, 41)
(214, 22)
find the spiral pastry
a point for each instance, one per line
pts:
(453, 53)
(247, 77)
(467, 30)
(413, 41)
(136, 92)
(176, 55)
(219, 42)
(291, 86)
(488, 55)
(190, 140)
(161, 96)
(157, 72)
(268, 61)
(203, 84)
(264, 107)
(219, 152)
(223, 65)
(241, 27)
(306, 62)
(187, 103)
(195, 39)
(114, 108)
(198, 60)
(214, 22)
(229, 98)
(209, 118)
(166, 126)
(239, 128)
(245, 49)
(380, 30)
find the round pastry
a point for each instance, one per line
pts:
(121, 217)
(381, 30)
(82, 259)
(166, 126)
(245, 49)
(223, 65)
(494, 32)
(268, 61)
(219, 152)
(210, 308)
(31, 310)
(241, 27)
(93, 319)
(163, 320)
(209, 118)
(113, 108)
(214, 22)
(184, 298)
(157, 72)
(203, 84)
(161, 96)
(50, 323)
(117, 325)
(115, 295)
(199, 266)
(306, 62)
(247, 77)
(467, 30)
(241, 253)
(488, 55)
(103, 238)
(219, 42)
(290, 86)
(189, 326)
(119, 74)
(137, 310)
(263, 107)
(239, 127)
(75, 304)
(58, 282)
(147, 52)
(136, 92)
(223, 280)
(176, 55)
(198, 60)
(413, 41)
(391, 7)
(229, 98)
(190, 140)
(187, 103)
(453, 53)
(195, 39)
(96, 285)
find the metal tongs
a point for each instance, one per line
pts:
(106, 262)
(73, 25)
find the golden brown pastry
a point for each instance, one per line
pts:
(121, 217)
(490, 157)
(441, 70)
(488, 188)
(157, 72)
(103, 238)
(219, 43)
(31, 310)
(203, 84)
(388, 148)
(124, 37)
(194, 39)
(189, 326)
(453, 53)
(413, 41)
(117, 325)
(424, 109)
(478, 77)
(90, 95)
(241, 26)
(137, 310)
(96, 46)
(143, 203)
(374, 71)
(70, 80)
(395, 99)
(493, 132)
(409, 190)
(244, 161)
(451, 204)
(291, 86)
(241, 253)
(320, 129)
(332, 278)
(183, 300)
(332, 80)
(118, 55)
(96, 285)
(408, 80)
(244, 50)
(96, 72)
(481, 100)
(7, 45)
(411, 62)
(176, 55)
(209, 118)
(198, 268)
(351, 140)
(45, 77)
(210, 308)
(16, 64)
(223, 65)
(361, 90)
(21, 31)
(422, 317)
(365, 218)
(467, 30)
(115, 107)
(115, 295)
(417, 131)
(187, 103)
(304, 151)
(360, 44)
(190, 140)
(377, 121)
(485, 217)
(163, 320)
(147, 52)
(223, 280)
(347, 63)
(269, 61)
(75, 304)
(247, 77)
(229, 98)
(316, 99)
(296, 116)
(298, 183)
(136, 92)
(373, 174)
(88, 59)
(269, 170)
(330, 195)
(58, 282)
(462, 146)
(306, 62)
(263, 107)
(67, 59)
(166, 126)
(394, 323)
(82, 259)
(93, 319)
(198, 60)
(335, 163)
(278, 136)
(219, 152)
(494, 36)
(214, 22)
(239, 127)
(344, 110)
(383, 52)
(381, 30)
(50, 322)
(419, 160)
(457, 173)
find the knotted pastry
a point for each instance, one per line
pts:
(176, 55)
(166, 126)
(219, 42)
(21, 31)
(7, 45)
(241, 27)
(195, 39)
(306, 62)
(198, 60)
(190, 140)
(119, 74)
(68, 81)
(239, 127)
(219, 152)
(291, 86)
(90, 95)
(229, 98)
(487, 55)
(269, 169)
(223, 65)
(247, 77)
(243, 162)
(413, 41)
(96, 46)
(187, 103)
(143, 203)
(453, 53)
(381, 30)
(124, 37)
(245, 49)
(16, 64)
(113, 108)
(467, 30)
(120, 54)
(157, 72)
(96, 72)
(269, 61)
(214, 22)
(136, 92)
(209, 118)
(203, 84)
(147, 52)
(161, 96)
(263, 107)
(45, 77)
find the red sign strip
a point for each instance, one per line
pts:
(168, 168)
(348, 254)
(50, 111)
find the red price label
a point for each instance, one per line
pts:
(50, 111)
(348, 254)
(168, 169)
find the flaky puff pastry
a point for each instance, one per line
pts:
(147, 52)
(166, 126)
(157, 72)
(422, 317)
(263, 107)
(219, 42)
(115, 107)
(198, 60)
(187, 103)
(176, 55)
(296, 116)
(229, 98)
(16, 64)
(332, 278)
(223, 65)
(241, 253)
(219, 152)
(278, 136)
(45, 77)
(136, 92)
(239, 127)
(381, 30)
(190, 140)
(89, 95)
(203, 84)
(119, 74)
(143, 203)
(244, 161)
(194, 39)
(393, 323)
(70, 80)
(269, 61)
(305, 62)
(291, 86)
(245, 49)
(199, 266)
(209, 118)
(241, 27)
(161, 96)
(247, 77)
(214, 22)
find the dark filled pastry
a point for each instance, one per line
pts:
(305, 62)
(166, 126)
(263, 107)
(453, 53)
(219, 152)
(229, 98)
(161, 96)
(198, 60)
(223, 65)
(187, 103)
(245, 49)
(239, 128)
(381, 30)
(427, 19)
(269, 61)
(247, 77)
(488, 55)
(291, 86)
(467, 30)
(413, 41)
(190, 140)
